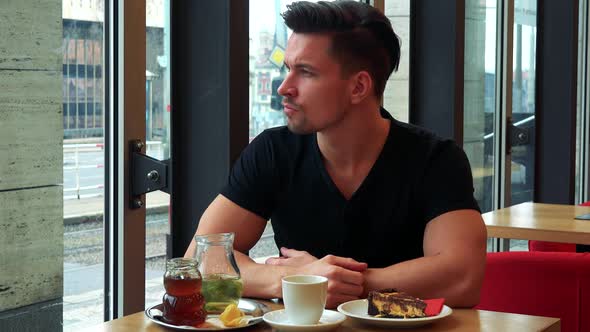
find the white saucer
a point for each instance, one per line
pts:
(278, 319)
(357, 310)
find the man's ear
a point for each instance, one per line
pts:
(361, 87)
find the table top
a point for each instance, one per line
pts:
(538, 221)
(461, 320)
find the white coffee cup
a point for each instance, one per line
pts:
(304, 297)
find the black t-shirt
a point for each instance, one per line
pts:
(416, 178)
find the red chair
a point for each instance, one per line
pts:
(550, 284)
(554, 246)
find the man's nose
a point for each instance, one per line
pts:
(286, 89)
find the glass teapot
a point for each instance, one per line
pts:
(222, 284)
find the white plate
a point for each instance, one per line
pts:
(253, 310)
(278, 319)
(357, 310)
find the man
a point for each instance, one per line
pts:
(352, 194)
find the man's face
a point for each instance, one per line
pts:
(315, 94)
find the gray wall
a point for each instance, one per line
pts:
(31, 203)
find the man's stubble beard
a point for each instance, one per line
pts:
(300, 128)
(304, 128)
(297, 128)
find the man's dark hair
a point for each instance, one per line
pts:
(362, 37)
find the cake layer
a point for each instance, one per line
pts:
(393, 304)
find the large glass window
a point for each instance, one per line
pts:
(83, 162)
(157, 117)
(268, 40)
(480, 96)
(396, 95)
(523, 101)
(522, 166)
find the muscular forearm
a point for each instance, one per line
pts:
(432, 277)
(261, 280)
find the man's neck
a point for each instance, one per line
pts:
(355, 144)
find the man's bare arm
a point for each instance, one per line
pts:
(264, 281)
(453, 265)
(222, 216)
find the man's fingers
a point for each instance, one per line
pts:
(345, 288)
(286, 252)
(344, 275)
(344, 281)
(352, 277)
(274, 261)
(345, 262)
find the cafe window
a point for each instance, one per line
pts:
(522, 170)
(83, 162)
(157, 131)
(480, 96)
(396, 94)
(268, 40)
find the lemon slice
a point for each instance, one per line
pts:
(232, 316)
(237, 322)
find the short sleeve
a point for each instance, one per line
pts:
(253, 181)
(447, 183)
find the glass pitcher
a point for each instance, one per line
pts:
(222, 284)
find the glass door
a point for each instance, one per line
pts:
(522, 168)
(520, 138)
(499, 121)
(480, 97)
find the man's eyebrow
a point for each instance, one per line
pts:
(302, 65)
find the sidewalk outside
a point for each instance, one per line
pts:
(92, 209)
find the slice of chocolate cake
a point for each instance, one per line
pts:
(390, 303)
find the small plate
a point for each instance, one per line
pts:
(253, 310)
(357, 310)
(278, 319)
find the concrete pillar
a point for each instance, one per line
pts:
(31, 161)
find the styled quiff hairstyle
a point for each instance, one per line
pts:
(362, 37)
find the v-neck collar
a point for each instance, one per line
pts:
(370, 176)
